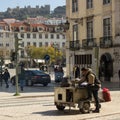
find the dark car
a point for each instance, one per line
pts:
(34, 77)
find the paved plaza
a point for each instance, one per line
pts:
(37, 103)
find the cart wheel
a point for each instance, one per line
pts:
(85, 107)
(60, 107)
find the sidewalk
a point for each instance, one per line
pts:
(37, 91)
(34, 91)
(111, 85)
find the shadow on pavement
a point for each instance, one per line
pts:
(59, 113)
(26, 89)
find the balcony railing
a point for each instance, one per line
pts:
(74, 45)
(106, 42)
(89, 43)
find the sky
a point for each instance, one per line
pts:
(22, 3)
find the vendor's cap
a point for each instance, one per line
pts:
(84, 69)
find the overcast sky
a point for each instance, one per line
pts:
(22, 3)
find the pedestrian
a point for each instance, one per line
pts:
(77, 72)
(92, 86)
(61, 71)
(22, 78)
(6, 77)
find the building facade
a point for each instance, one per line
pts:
(93, 39)
(32, 34)
(38, 35)
(6, 40)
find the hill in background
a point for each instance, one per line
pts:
(23, 13)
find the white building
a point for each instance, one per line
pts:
(31, 34)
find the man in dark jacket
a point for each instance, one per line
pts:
(6, 77)
(93, 86)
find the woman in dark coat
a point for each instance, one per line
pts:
(6, 77)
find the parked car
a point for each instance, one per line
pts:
(34, 77)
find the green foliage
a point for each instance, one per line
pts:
(23, 13)
(40, 52)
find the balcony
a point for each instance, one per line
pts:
(106, 42)
(89, 43)
(74, 45)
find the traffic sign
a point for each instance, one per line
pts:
(47, 57)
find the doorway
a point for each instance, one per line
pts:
(106, 67)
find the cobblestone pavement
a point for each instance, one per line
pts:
(41, 108)
(37, 103)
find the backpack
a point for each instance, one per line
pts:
(97, 82)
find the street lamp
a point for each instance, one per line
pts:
(65, 25)
(17, 48)
(1, 64)
(96, 51)
(55, 47)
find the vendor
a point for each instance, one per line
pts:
(93, 85)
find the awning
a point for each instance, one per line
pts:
(7, 61)
(39, 60)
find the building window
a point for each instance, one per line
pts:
(28, 35)
(40, 35)
(74, 5)
(15, 35)
(75, 32)
(34, 44)
(22, 35)
(89, 29)
(7, 35)
(89, 4)
(46, 36)
(22, 28)
(58, 36)
(1, 44)
(40, 44)
(52, 36)
(1, 35)
(34, 35)
(46, 44)
(22, 45)
(28, 43)
(107, 27)
(63, 44)
(22, 54)
(7, 44)
(83, 59)
(106, 2)
(40, 29)
(63, 36)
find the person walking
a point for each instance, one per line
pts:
(61, 71)
(92, 86)
(6, 77)
(77, 72)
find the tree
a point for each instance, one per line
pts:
(40, 52)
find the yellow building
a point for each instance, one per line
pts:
(93, 38)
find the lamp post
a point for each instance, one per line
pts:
(55, 47)
(17, 48)
(96, 51)
(1, 64)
